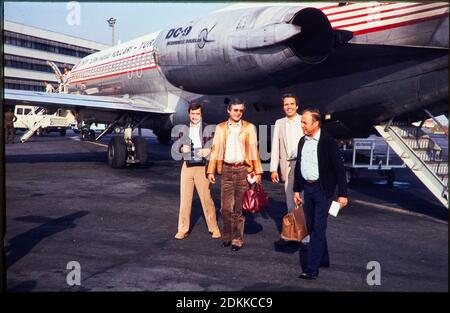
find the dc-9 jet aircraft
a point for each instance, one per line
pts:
(361, 64)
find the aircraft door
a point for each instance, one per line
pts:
(56, 70)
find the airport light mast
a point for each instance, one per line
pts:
(112, 21)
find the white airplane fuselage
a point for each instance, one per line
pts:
(257, 53)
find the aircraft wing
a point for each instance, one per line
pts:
(74, 101)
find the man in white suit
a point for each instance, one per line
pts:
(286, 135)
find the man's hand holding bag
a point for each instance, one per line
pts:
(294, 225)
(255, 199)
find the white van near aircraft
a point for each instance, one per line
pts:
(35, 120)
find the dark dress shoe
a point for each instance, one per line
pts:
(281, 242)
(226, 244)
(303, 246)
(235, 248)
(306, 276)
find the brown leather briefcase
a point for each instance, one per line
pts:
(294, 225)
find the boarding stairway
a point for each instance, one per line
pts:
(32, 128)
(27, 135)
(421, 154)
(42, 121)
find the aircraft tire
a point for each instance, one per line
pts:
(348, 175)
(39, 132)
(390, 177)
(117, 152)
(92, 135)
(62, 132)
(84, 135)
(141, 150)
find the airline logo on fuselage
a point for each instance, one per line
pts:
(176, 32)
(181, 33)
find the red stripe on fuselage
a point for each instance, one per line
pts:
(90, 67)
(392, 17)
(111, 75)
(359, 9)
(377, 12)
(395, 25)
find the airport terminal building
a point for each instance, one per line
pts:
(26, 50)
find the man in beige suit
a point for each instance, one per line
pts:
(193, 173)
(286, 135)
(234, 154)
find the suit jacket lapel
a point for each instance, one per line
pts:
(299, 152)
(320, 147)
(283, 134)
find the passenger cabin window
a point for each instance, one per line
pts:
(19, 111)
(27, 111)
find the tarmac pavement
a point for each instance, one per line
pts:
(64, 203)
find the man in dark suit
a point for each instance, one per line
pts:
(318, 170)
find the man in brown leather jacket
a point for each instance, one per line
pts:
(234, 154)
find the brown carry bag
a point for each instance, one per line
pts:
(294, 225)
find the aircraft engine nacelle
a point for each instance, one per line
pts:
(240, 50)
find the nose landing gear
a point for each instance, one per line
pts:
(122, 152)
(125, 149)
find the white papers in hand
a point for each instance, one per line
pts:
(334, 208)
(251, 178)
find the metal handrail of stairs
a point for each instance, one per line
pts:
(415, 162)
